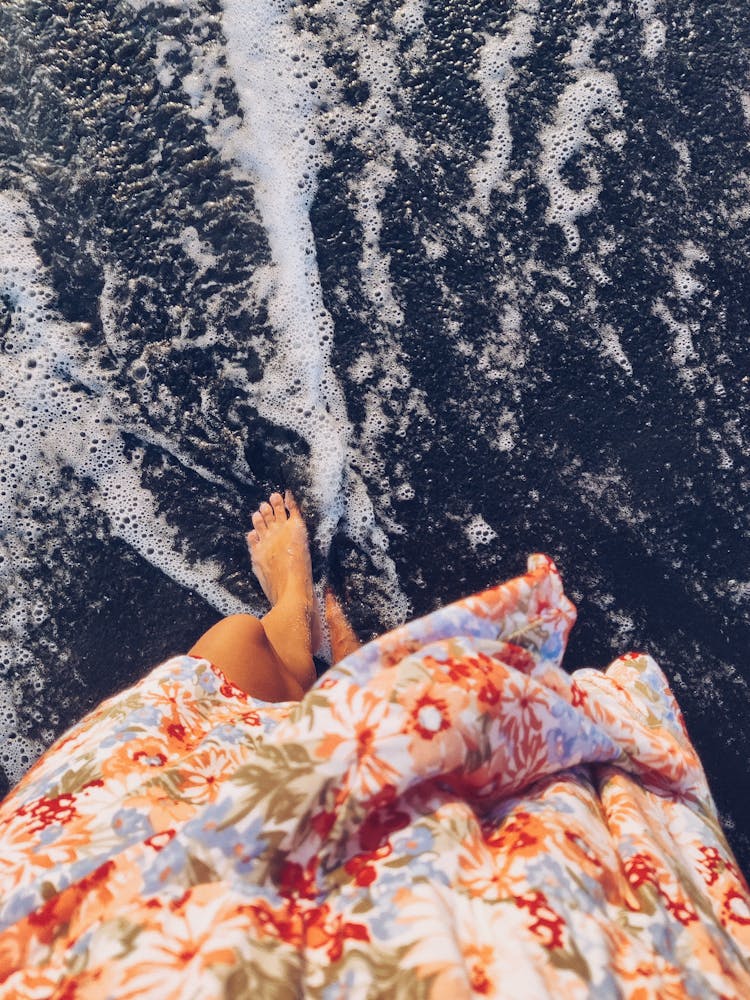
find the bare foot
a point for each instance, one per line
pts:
(280, 559)
(343, 638)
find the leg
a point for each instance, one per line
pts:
(343, 638)
(239, 646)
(272, 658)
(280, 557)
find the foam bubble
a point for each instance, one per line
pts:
(683, 348)
(591, 91)
(496, 75)
(654, 29)
(478, 532)
(612, 347)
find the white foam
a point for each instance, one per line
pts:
(282, 82)
(165, 72)
(17, 751)
(279, 145)
(565, 136)
(59, 410)
(685, 283)
(591, 91)
(683, 348)
(198, 250)
(496, 75)
(374, 129)
(685, 287)
(654, 29)
(478, 532)
(612, 347)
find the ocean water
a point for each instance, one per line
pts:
(471, 276)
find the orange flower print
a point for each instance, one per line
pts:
(522, 700)
(519, 835)
(440, 780)
(477, 958)
(580, 848)
(650, 978)
(55, 916)
(391, 653)
(361, 866)
(283, 922)
(176, 731)
(324, 929)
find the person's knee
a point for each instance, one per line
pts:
(247, 626)
(232, 637)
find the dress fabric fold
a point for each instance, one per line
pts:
(446, 813)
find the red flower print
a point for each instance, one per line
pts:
(322, 823)
(294, 880)
(47, 811)
(479, 981)
(380, 824)
(681, 911)
(579, 696)
(489, 693)
(430, 717)
(230, 690)
(176, 731)
(160, 840)
(383, 797)
(516, 657)
(548, 926)
(456, 671)
(711, 863)
(640, 870)
(735, 907)
(365, 740)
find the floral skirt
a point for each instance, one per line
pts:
(446, 814)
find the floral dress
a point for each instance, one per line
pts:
(445, 814)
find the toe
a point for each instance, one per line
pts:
(252, 538)
(259, 523)
(277, 502)
(267, 511)
(291, 504)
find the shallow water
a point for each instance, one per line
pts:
(470, 276)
